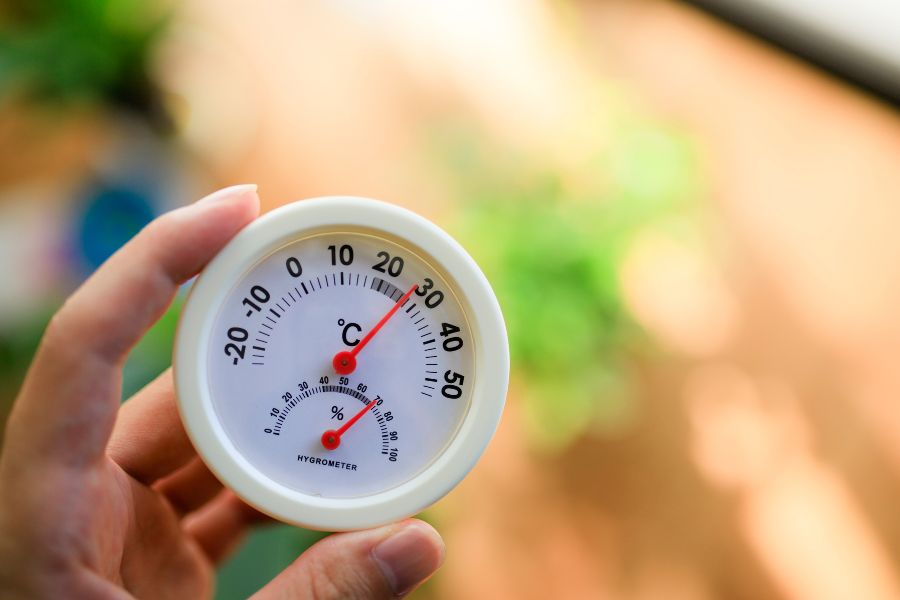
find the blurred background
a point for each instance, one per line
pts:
(702, 406)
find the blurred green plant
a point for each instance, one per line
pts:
(553, 245)
(267, 552)
(82, 51)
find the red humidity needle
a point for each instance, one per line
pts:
(344, 362)
(331, 439)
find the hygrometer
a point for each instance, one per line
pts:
(341, 363)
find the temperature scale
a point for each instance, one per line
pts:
(342, 363)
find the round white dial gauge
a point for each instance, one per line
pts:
(342, 363)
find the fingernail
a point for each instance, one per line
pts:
(229, 192)
(409, 557)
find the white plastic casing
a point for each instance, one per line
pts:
(265, 235)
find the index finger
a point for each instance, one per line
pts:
(67, 405)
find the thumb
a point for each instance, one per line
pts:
(388, 562)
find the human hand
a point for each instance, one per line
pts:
(98, 501)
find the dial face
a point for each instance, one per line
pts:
(379, 414)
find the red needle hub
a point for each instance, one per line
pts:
(331, 439)
(344, 362)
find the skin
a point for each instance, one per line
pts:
(98, 501)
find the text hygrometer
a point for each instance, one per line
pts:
(341, 363)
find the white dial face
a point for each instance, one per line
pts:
(277, 389)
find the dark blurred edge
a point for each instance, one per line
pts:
(870, 73)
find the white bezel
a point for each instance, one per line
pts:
(265, 235)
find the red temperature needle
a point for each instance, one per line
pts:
(331, 439)
(345, 362)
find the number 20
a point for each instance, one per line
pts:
(394, 265)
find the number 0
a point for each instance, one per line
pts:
(293, 267)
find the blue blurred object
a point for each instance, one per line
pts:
(112, 215)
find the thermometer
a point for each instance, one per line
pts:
(342, 363)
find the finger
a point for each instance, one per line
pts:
(219, 526)
(387, 562)
(77, 369)
(148, 440)
(190, 487)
